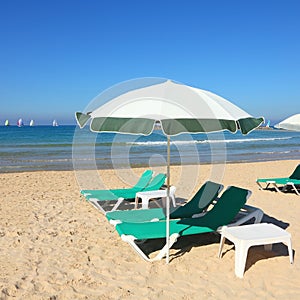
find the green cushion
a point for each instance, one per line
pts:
(282, 180)
(295, 178)
(155, 230)
(105, 195)
(156, 183)
(116, 193)
(136, 215)
(224, 211)
(201, 200)
(296, 173)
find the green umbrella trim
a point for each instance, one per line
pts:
(82, 119)
(123, 125)
(248, 124)
(177, 126)
(169, 126)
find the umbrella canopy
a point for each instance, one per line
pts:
(179, 109)
(291, 123)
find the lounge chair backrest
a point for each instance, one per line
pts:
(296, 173)
(224, 211)
(200, 201)
(144, 180)
(156, 183)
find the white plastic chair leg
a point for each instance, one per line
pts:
(222, 241)
(173, 200)
(290, 249)
(241, 253)
(145, 202)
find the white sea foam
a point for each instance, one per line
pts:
(273, 152)
(209, 141)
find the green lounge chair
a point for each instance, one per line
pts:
(198, 204)
(116, 193)
(285, 182)
(223, 213)
(103, 201)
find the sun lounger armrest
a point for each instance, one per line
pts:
(247, 213)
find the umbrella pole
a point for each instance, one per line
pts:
(168, 201)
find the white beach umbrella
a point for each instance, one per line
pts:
(291, 123)
(179, 109)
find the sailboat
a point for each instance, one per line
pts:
(54, 123)
(6, 123)
(20, 123)
(31, 123)
(266, 127)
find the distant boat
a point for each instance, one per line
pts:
(266, 127)
(157, 125)
(54, 123)
(20, 123)
(6, 123)
(31, 123)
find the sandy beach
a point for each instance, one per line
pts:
(55, 245)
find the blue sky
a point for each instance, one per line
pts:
(56, 56)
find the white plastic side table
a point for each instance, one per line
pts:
(246, 236)
(146, 196)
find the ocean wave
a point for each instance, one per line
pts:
(160, 143)
(272, 152)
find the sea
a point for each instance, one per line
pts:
(68, 147)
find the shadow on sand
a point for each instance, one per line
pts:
(187, 243)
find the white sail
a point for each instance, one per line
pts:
(31, 123)
(6, 123)
(20, 123)
(54, 123)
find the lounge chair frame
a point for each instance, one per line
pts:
(246, 214)
(141, 184)
(117, 202)
(291, 181)
(195, 207)
(276, 187)
(94, 202)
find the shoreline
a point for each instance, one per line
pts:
(137, 166)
